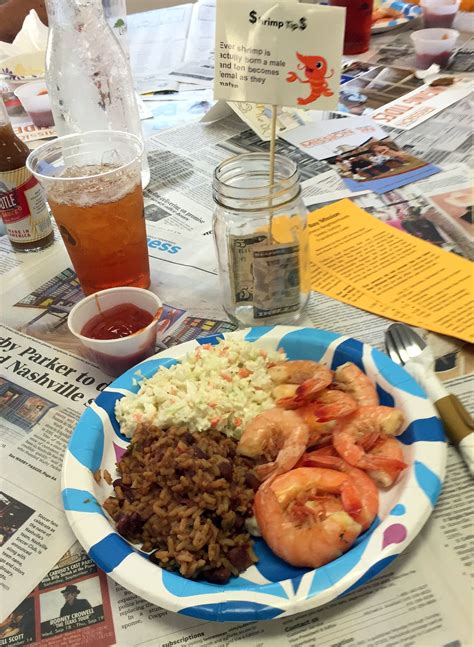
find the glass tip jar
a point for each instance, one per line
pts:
(261, 238)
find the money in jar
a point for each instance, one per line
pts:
(261, 240)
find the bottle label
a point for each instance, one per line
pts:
(23, 207)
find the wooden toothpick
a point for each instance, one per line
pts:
(272, 163)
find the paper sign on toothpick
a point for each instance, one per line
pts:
(278, 53)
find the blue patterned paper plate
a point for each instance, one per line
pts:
(271, 588)
(408, 12)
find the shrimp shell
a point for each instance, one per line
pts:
(348, 377)
(356, 437)
(364, 484)
(278, 436)
(299, 532)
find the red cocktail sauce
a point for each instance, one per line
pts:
(423, 61)
(120, 321)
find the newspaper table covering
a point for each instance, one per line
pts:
(48, 385)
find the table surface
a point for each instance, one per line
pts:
(414, 597)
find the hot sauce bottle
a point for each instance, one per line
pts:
(22, 204)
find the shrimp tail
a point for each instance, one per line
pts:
(350, 498)
(324, 457)
(369, 441)
(267, 470)
(369, 462)
(306, 392)
(321, 458)
(310, 389)
(327, 457)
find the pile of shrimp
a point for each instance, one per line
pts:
(324, 451)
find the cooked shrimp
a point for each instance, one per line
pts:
(299, 381)
(305, 515)
(320, 434)
(320, 415)
(391, 449)
(354, 435)
(365, 486)
(276, 435)
(351, 379)
(297, 371)
(329, 404)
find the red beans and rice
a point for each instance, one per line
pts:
(185, 496)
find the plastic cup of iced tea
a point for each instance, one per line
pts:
(116, 327)
(93, 186)
(358, 24)
(433, 46)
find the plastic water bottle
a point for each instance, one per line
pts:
(87, 74)
(116, 15)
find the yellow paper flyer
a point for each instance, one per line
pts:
(364, 262)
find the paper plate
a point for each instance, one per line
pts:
(271, 588)
(17, 70)
(409, 12)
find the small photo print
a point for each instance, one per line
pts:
(72, 607)
(19, 627)
(375, 160)
(13, 515)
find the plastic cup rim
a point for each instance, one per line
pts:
(440, 3)
(421, 33)
(37, 152)
(28, 84)
(90, 297)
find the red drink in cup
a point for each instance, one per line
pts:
(358, 24)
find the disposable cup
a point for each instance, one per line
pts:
(357, 26)
(115, 356)
(35, 100)
(439, 13)
(93, 187)
(433, 46)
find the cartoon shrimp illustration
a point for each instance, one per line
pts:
(315, 68)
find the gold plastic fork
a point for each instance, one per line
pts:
(407, 348)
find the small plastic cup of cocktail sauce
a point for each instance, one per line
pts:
(433, 46)
(117, 327)
(35, 100)
(439, 13)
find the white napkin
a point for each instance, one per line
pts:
(32, 37)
